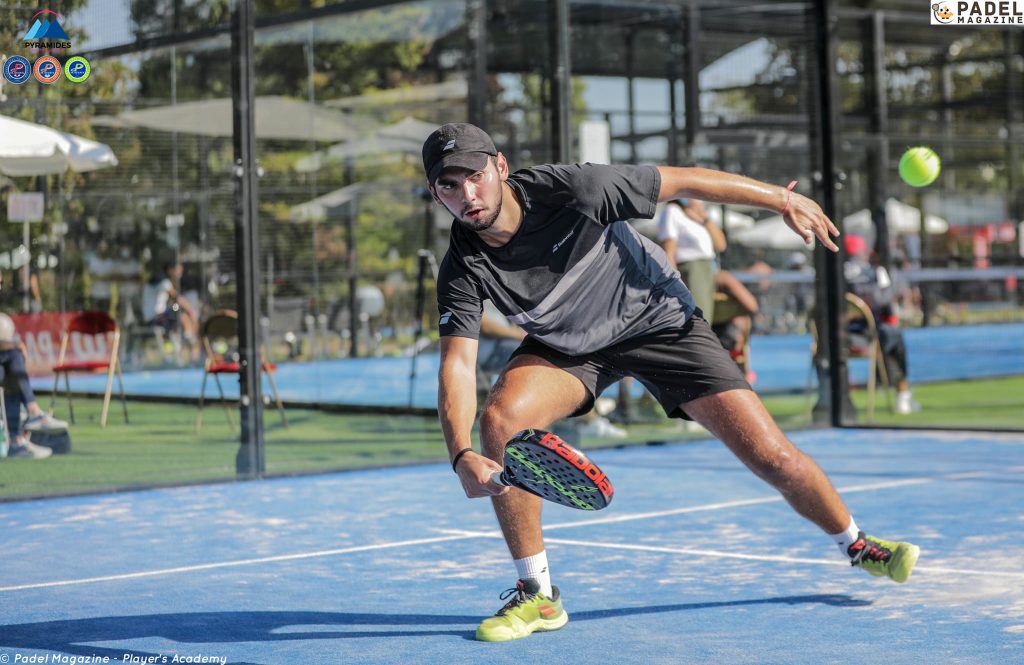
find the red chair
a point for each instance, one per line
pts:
(219, 333)
(99, 336)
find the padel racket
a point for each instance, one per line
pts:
(541, 463)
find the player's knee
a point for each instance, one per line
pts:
(497, 426)
(782, 468)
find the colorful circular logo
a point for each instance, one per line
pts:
(77, 69)
(47, 69)
(17, 69)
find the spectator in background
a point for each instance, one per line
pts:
(18, 392)
(99, 268)
(170, 310)
(873, 284)
(692, 243)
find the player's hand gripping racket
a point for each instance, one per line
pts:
(541, 463)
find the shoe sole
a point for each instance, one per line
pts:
(541, 626)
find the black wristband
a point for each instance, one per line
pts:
(458, 456)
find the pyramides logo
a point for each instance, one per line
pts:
(46, 32)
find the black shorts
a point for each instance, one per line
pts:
(677, 365)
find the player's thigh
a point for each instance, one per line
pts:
(531, 392)
(739, 419)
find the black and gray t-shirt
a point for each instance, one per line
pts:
(571, 276)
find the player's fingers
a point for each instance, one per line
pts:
(823, 235)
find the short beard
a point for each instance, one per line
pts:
(482, 224)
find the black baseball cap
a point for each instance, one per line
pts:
(456, 144)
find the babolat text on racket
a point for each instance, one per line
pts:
(541, 463)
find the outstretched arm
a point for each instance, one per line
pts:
(803, 215)
(456, 408)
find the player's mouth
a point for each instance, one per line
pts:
(473, 214)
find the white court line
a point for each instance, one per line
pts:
(453, 534)
(767, 557)
(852, 489)
(241, 562)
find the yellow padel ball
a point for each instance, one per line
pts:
(919, 167)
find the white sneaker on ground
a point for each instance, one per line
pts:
(44, 422)
(604, 405)
(602, 427)
(25, 448)
(905, 403)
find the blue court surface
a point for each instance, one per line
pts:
(782, 363)
(695, 561)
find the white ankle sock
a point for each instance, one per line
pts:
(847, 538)
(536, 567)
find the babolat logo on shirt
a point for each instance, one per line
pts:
(558, 245)
(444, 318)
(448, 146)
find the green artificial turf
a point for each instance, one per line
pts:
(160, 447)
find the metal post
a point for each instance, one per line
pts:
(561, 80)
(250, 460)
(878, 174)
(826, 121)
(691, 75)
(476, 23)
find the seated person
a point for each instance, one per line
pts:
(18, 391)
(733, 319)
(170, 309)
(875, 287)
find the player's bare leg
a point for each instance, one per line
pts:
(740, 421)
(531, 392)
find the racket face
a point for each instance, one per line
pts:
(541, 463)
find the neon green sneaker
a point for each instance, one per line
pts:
(527, 611)
(883, 558)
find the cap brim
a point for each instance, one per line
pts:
(474, 161)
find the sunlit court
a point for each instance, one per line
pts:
(693, 561)
(462, 331)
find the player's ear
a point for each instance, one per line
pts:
(502, 165)
(433, 193)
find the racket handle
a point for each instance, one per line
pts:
(497, 479)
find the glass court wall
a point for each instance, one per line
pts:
(345, 93)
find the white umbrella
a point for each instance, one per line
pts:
(902, 219)
(404, 137)
(770, 233)
(322, 207)
(28, 149)
(276, 118)
(734, 221)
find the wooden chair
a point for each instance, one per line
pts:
(219, 334)
(865, 344)
(97, 341)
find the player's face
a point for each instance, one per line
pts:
(474, 197)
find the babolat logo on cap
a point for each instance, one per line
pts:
(46, 32)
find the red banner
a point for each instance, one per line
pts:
(41, 335)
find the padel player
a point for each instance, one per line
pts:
(599, 302)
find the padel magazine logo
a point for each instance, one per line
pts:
(977, 12)
(46, 32)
